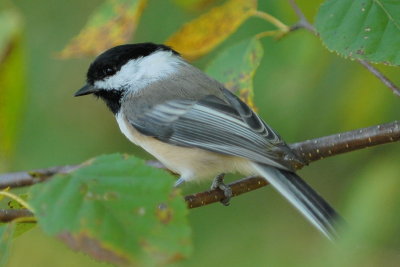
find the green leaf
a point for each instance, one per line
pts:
(237, 72)
(363, 29)
(116, 209)
(6, 234)
(113, 23)
(12, 82)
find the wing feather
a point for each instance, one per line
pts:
(227, 127)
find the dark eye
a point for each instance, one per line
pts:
(109, 71)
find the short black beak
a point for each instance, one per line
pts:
(87, 89)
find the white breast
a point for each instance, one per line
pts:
(127, 129)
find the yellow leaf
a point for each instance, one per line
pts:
(204, 33)
(194, 5)
(112, 24)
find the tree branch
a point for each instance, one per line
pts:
(310, 150)
(303, 23)
(8, 215)
(25, 178)
(319, 148)
(238, 187)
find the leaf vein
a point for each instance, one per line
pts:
(380, 4)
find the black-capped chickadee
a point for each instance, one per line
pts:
(195, 126)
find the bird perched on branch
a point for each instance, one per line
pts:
(195, 126)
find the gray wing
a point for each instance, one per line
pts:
(224, 126)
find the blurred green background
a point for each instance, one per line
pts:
(302, 90)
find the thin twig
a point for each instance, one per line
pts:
(297, 10)
(303, 23)
(380, 76)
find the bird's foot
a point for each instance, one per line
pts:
(219, 183)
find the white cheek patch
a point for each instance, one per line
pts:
(138, 73)
(120, 79)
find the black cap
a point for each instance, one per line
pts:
(111, 61)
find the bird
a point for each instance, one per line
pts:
(196, 127)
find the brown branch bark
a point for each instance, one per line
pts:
(303, 23)
(238, 187)
(8, 215)
(319, 148)
(310, 150)
(25, 178)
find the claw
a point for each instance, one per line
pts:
(219, 183)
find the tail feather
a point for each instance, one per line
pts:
(303, 197)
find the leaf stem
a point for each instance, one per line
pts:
(380, 76)
(271, 19)
(16, 198)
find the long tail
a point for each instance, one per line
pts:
(303, 197)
